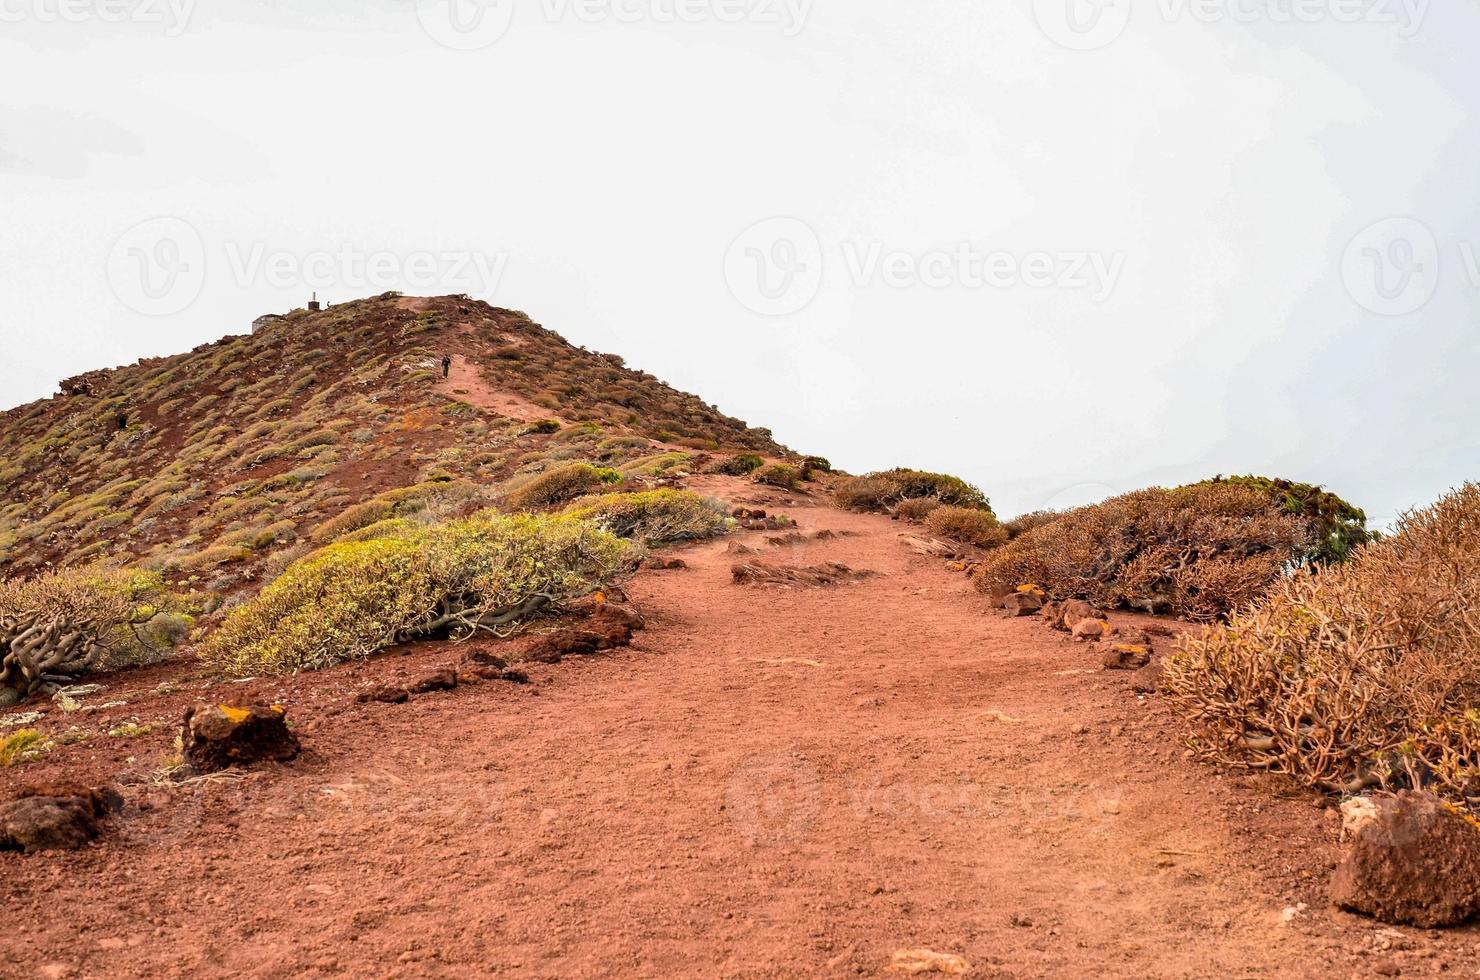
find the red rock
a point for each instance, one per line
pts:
(220, 736)
(386, 694)
(1126, 656)
(1021, 604)
(1088, 631)
(1410, 859)
(1147, 680)
(56, 818)
(1073, 612)
(442, 680)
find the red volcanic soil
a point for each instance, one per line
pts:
(770, 783)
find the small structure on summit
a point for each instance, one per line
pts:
(313, 304)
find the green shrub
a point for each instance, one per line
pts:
(779, 475)
(654, 516)
(742, 465)
(482, 573)
(656, 465)
(540, 427)
(967, 525)
(558, 486)
(879, 491)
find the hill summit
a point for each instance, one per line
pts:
(220, 465)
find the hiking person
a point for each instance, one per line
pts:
(446, 364)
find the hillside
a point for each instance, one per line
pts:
(218, 465)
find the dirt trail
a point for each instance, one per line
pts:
(771, 783)
(464, 382)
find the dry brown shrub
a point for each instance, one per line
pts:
(967, 525)
(915, 510)
(1024, 523)
(1361, 674)
(1200, 551)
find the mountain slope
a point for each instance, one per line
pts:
(220, 463)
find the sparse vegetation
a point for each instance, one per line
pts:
(1362, 674)
(26, 745)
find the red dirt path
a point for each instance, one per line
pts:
(770, 783)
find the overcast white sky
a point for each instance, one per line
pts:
(1062, 247)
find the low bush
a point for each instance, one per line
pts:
(654, 516)
(1337, 527)
(915, 509)
(779, 475)
(487, 572)
(967, 525)
(59, 626)
(1200, 551)
(880, 491)
(1360, 674)
(1024, 523)
(742, 465)
(559, 485)
(431, 499)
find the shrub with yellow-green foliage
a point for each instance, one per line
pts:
(967, 525)
(779, 475)
(433, 496)
(559, 485)
(654, 516)
(482, 573)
